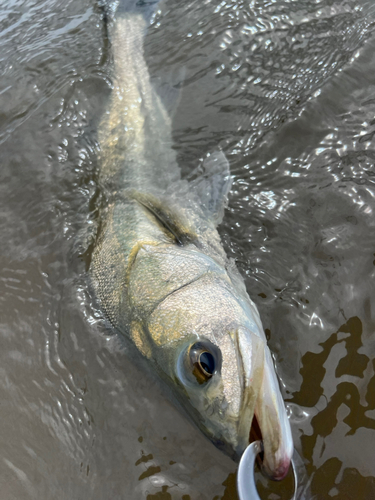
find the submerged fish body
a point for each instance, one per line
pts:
(161, 275)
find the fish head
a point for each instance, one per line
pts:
(208, 342)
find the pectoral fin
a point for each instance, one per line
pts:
(169, 220)
(212, 184)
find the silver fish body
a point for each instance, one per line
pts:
(162, 277)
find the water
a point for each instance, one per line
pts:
(287, 89)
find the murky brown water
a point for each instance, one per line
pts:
(287, 89)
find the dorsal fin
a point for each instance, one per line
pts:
(168, 219)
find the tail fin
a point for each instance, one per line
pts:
(135, 133)
(114, 8)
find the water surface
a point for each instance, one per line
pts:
(287, 90)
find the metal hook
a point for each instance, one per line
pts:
(245, 476)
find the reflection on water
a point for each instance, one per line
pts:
(287, 89)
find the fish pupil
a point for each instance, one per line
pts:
(207, 362)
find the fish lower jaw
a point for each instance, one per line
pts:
(280, 465)
(279, 472)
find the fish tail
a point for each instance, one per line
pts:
(112, 10)
(135, 137)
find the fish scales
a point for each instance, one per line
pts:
(160, 273)
(135, 133)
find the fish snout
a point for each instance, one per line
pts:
(271, 425)
(279, 472)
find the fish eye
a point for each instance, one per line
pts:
(207, 363)
(203, 361)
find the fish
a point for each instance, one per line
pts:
(159, 271)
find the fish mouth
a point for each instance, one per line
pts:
(278, 472)
(270, 425)
(261, 414)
